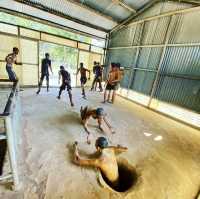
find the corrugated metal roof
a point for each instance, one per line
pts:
(109, 8)
(102, 15)
(75, 11)
(49, 18)
(136, 4)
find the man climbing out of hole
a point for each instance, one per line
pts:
(105, 160)
(66, 82)
(46, 64)
(97, 114)
(83, 78)
(114, 78)
(10, 60)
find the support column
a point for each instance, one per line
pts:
(12, 152)
(167, 36)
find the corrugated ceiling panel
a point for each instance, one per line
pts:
(50, 17)
(78, 12)
(115, 10)
(155, 10)
(136, 4)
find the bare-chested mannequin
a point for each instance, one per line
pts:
(97, 114)
(10, 60)
(83, 71)
(106, 159)
(112, 84)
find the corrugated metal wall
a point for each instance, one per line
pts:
(161, 56)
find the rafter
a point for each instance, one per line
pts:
(123, 4)
(83, 5)
(193, 2)
(144, 8)
(147, 6)
(58, 13)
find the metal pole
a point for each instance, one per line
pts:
(167, 36)
(77, 67)
(12, 152)
(38, 54)
(105, 71)
(157, 46)
(134, 62)
(133, 69)
(106, 48)
(123, 4)
(131, 80)
(19, 46)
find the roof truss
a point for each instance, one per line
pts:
(56, 12)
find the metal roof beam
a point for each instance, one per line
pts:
(83, 5)
(147, 6)
(140, 11)
(123, 4)
(192, 2)
(60, 14)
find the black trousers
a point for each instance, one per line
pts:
(97, 79)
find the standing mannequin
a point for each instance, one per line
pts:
(83, 78)
(46, 64)
(98, 77)
(66, 82)
(10, 60)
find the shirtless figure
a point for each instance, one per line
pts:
(97, 114)
(83, 78)
(105, 161)
(10, 60)
(112, 84)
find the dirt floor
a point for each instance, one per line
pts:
(165, 153)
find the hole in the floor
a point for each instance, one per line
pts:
(127, 177)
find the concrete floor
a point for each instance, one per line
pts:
(164, 152)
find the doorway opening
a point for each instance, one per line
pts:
(59, 55)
